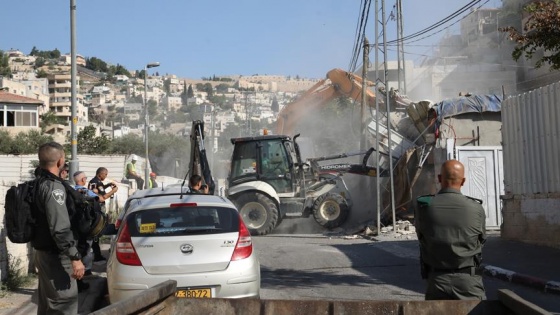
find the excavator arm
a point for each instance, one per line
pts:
(198, 164)
(338, 83)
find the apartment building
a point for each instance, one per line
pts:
(67, 59)
(172, 102)
(60, 97)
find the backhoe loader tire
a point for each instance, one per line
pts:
(259, 212)
(330, 210)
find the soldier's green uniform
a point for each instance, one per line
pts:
(451, 230)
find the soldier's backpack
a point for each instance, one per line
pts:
(19, 216)
(85, 213)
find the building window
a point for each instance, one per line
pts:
(18, 116)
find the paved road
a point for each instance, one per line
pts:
(309, 266)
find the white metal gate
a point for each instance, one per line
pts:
(484, 172)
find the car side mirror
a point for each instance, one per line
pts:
(110, 230)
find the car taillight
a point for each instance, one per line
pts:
(244, 246)
(126, 254)
(183, 204)
(118, 223)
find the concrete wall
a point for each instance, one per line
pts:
(532, 218)
(466, 130)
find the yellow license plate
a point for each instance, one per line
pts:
(194, 293)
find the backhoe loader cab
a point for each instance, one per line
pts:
(268, 181)
(267, 158)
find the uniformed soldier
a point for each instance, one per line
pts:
(451, 231)
(57, 258)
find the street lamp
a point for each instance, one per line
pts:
(147, 120)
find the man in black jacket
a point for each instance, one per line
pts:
(57, 258)
(97, 186)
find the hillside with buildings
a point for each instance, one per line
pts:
(37, 93)
(36, 87)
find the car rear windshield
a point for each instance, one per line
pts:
(183, 221)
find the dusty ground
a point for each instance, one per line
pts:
(10, 301)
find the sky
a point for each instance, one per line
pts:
(202, 38)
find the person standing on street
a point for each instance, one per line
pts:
(84, 245)
(152, 183)
(97, 186)
(130, 172)
(57, 259)
(451, 230)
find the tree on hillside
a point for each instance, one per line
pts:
(184, 94)
(96, 64)
(218, 100)
(118, 70)
(167, 86)
(5, 69)
(34, 51)
(49, 118)
(190, 92)
(39, 62)
(41, 74)
(127, 144)
(540, 34)
(222, 88)
(88, 143)
(47, 54)
(275, 106)
(209, 89)
(152, 108)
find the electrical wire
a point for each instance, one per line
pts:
(360, 34)
(427, 36)
(439, 23)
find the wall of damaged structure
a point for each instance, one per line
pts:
(531, 203)
(469, 129)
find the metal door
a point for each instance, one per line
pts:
(484, 179)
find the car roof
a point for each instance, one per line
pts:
(161, 198)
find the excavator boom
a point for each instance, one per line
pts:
(338, 83)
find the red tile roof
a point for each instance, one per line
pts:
(10, 98)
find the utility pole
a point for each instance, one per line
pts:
(246, 113)
(74, 163)
(364, 95)
(399, 61)
(377, 120)
(400, 48)
(388, 105)
(213, 135)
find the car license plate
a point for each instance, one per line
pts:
(194, 293)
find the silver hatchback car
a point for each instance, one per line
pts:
(198, 240)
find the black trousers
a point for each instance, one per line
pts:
(96, 249)
(139, 181)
